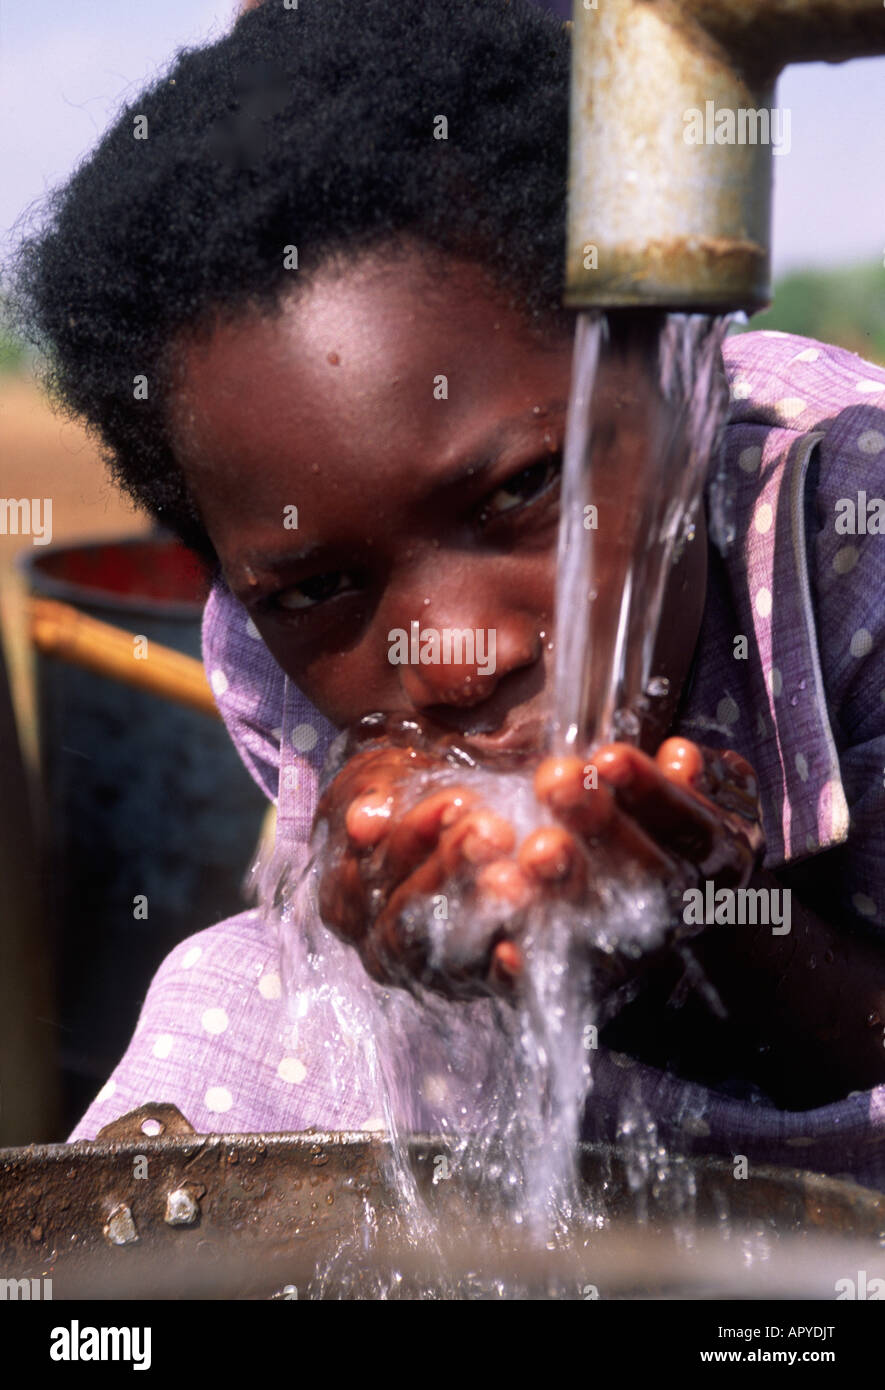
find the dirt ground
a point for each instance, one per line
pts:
(44, 455)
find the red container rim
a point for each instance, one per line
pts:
(154, 576)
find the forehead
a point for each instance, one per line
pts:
(384, 351)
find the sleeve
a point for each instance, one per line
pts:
(848, 564)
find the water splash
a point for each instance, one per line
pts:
(505, 1085)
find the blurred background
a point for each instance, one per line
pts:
(80, 838)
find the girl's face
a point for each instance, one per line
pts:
(413, 428)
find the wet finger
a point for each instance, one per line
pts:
(681, 761)
(679, 819)
(417, 832)
(367, 819)
(405, 942)
(402, 932)
(504, 881)
(561, 785)
(341, 899)
(738, 789)
(547, 853)
(371, 770)
(479, 837)
(629, 841)
(400, 938)
(507, 965)
(551, 856)
(559, 782)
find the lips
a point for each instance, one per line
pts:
(527, 736)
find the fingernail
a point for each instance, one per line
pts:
(546, 853)
(507, 960)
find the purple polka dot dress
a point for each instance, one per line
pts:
(224, 1033)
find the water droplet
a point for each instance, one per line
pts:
(874, 1019)
(626, 723)
(794, 700)
(657, 687)
(812, 962)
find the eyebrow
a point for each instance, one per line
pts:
(468, 470)
(465, 470)
(279, 559)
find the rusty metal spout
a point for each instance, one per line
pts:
(673, 131)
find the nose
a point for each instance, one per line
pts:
(462, 666)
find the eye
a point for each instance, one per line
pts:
(522, 487)
(311, 592)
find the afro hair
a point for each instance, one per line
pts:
(309, 127)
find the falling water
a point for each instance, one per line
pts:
(504, 1083)
(645, 409)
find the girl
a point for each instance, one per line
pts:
(273, 240)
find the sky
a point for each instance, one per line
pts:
(67, 65)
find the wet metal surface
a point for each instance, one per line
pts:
(244, 1216)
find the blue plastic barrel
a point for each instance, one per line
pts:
(146, 800)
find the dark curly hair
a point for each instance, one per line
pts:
(311, 127)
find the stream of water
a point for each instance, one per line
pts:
(646, 405)
(505, 1086)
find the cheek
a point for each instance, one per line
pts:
(343, 683)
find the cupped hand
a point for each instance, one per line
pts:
(408, 836)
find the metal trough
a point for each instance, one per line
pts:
(184, 1215)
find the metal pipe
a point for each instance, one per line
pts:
(672, 133)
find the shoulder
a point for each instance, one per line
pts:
(805, 453)
(237, 949)
(805, 447)
(806, 424)
(782, 379)
(212, 1022)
